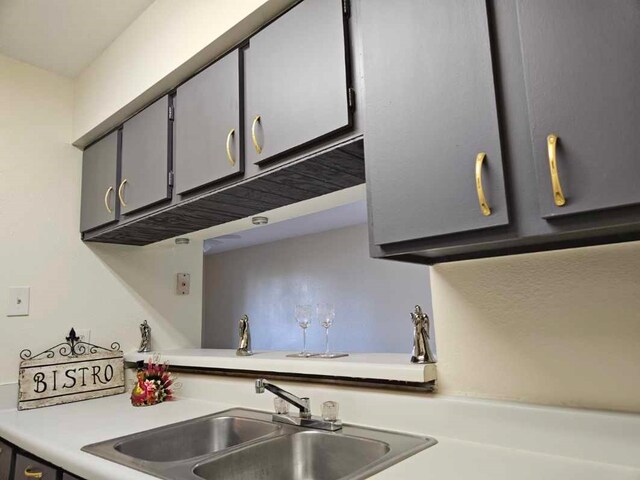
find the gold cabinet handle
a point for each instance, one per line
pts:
(558, 196)
(482, 200)
(121, 192)
(253, 134)
(230, 158)
(106, 199)
(29, 473)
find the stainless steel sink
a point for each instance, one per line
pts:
(241, 444)
(194, 439)
(301, 455)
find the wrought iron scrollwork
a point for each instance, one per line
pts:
(73, 347)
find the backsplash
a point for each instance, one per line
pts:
(372, 298)
(557, 328)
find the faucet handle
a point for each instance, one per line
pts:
(281, 406)
(330, 411)
(306, 402)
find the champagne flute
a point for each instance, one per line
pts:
(326, 314)
(303, 318)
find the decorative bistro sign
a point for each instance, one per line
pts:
(69, 372)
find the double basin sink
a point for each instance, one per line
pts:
(240, 444)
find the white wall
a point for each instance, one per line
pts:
(105, 288)
(559, 328)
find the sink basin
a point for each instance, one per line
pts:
(305, 455)
(194, 439)
(240, 444)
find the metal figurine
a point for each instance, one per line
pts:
(244, 347)
(145, 343)
(421, 349)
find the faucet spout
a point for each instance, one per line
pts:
(303, 404)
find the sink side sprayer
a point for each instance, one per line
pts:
(304, 419)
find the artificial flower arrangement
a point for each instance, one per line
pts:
(153, 384)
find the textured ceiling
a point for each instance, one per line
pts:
(63, 36)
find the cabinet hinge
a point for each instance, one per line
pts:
(351, 97)
(171, 113)
(170, 179)
(346, 8)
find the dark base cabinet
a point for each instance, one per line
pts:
(28, 467)
(6, 460)
(68, 476)
(564, 137)
(16, 464)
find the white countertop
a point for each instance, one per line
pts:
(58, 433)
(375, 366)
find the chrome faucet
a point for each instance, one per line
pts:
(302, 404)
(305, 419)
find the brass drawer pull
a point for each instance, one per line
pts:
(558, 196)
(482, 200)
(256, 145)
(121, 192)
(29, 473)
(230, 158)
(106, 199)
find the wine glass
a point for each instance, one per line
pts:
(303, 318)
(326, 314)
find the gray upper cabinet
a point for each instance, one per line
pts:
(146, 158)
(99, 177)
(432, 142)
(296, 80)
(207, 141)
(582, 74)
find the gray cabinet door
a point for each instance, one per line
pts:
(68, 476)
(145, 158)
(430, 110)
(296, 79)
(26, 465)
(207, 122)
(99, 176)
(6, 454)
(582, 73)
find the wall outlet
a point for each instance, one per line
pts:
(18, 301)
(184, 283)
(84, 334)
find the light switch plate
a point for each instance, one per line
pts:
(184, 283)
(18, 301)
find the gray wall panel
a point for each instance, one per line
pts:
(373, 299)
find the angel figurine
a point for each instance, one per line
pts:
(421, 349)
(145, 342)
(244, 346)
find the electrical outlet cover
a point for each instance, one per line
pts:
(184, 283)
